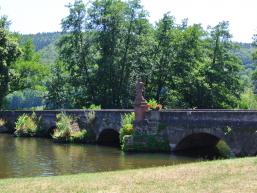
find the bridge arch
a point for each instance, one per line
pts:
(50, 130)
(109, 137)
(203, 144)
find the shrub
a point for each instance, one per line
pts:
(127, 121)
(64, 131)
(28, 126)
(2, 122)
(153, 105)
(94, 107)
(223, 149)
(248, 100)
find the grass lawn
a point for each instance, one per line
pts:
(235, 175)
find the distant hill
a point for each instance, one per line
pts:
(48, 54)
(45, 45)
(41, 40)
(245, 54)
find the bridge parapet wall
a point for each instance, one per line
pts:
(236, 127)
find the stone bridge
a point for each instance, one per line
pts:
(182, 129)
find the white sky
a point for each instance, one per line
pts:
(32, 16)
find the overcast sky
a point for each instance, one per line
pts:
(32, 16)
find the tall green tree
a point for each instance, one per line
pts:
(27, 71)
(163, 57)
(107, 45)
(9, 52)
(222, 71)
(254, 56)
(78, 53)
(190, 59)
(58, 87)
(27, 79)
(177, 55)
(102, 44)
(116, 23)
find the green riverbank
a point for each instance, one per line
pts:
(234, 175)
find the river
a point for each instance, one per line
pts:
(26, 157)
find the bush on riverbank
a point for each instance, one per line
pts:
(29, 126)
(3, 128)
(127, 122)
(2, 122)
(223, 149)
(67, 130)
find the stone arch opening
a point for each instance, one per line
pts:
(203, 145)
(50, 130)
(109, 137)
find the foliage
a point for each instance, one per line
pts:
(59, 95)
(223, 149)
(28, 78)
(108, 45)
(9, 52)
(64, 131)
(2, 122)
(41, 40)
(94, 107)
(27, 72)
(48, 54)
(127, 121)
(153, 105)
(28, 126)
(228, 130)
(248, 100)
(254, 57)
(25, 99)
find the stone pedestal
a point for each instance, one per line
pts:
(145, 137)
(140, 112)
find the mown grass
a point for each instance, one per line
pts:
(235, 175)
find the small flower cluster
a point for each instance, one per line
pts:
(153, 105)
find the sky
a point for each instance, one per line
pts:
(33, 16)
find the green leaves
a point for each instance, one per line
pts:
(9, 52)
(109, 44)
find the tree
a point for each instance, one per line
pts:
(27, 79)
(27, 71)
(254, 56)
(163, 57)
(222, 72)
(101, 45)
(176, 57)
(77, 52)
(58, 88)
(121, 29)
(107, 45)
(9, 52)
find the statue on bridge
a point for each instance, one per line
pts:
(140, 103)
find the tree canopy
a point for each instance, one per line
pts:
(109, 44)
(9, 52)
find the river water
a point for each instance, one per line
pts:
(24, 157)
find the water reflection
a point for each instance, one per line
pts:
(40, 157)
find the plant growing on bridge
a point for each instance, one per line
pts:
(28, 126)
(2, 122)
(95, 107)
(67, 131)
(127, 121)
(153, 105)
